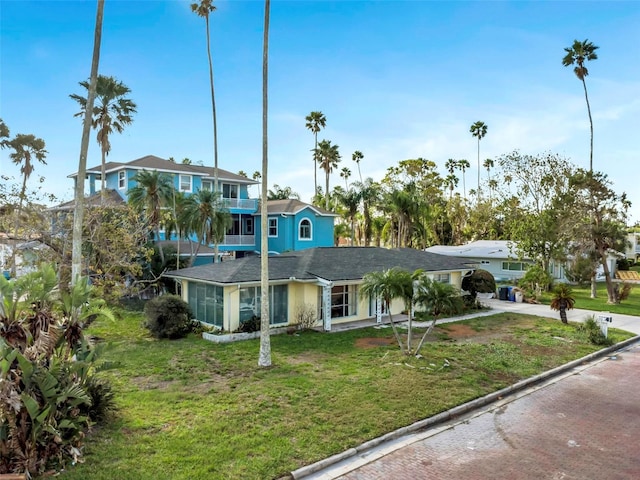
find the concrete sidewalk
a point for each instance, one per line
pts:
(401, 455)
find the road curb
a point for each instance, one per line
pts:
(455, 412)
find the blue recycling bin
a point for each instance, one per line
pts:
(512, 295)
(6, 274)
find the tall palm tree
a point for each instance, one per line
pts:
(479, 130)
(452, 182)
(328, 156)
(153, 191)
(462, 165)
(26, 149)
(112, 112)
(264, 357)
(488, 164)
(78, 211)
(576, 55)
(345, 173)
(350, 199)
(356, 157)
(316, 121)
(204, 9)
(370, 194)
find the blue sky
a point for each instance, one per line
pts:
(395, 79)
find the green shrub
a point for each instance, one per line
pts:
(168, 316)
(534, 282)
(103, 400)
(480, 281)
(249, 326)
(592, 331)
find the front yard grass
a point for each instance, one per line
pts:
(191, 409)
(630, 306)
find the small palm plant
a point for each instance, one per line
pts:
(562, 300)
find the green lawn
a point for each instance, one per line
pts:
(630, 306)
(191, 409)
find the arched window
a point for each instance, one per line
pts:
(304, 229)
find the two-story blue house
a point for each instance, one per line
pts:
(293, 225)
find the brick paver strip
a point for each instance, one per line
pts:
(583, 427)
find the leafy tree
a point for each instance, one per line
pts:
(369, 192)
(356, 157)
(152, 192)
(264, 357)
(562, 300)
(594, 211)
(316, 121)
(112, 113)
(328, 157)
(578, 54)
(478, 130)
(78, 213)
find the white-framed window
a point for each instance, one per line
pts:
(344, 301)
(122, 179)
(207, 185)
(515, 266)
(442, 277)
(304, 229)
(247, 226)
(273, 227)
(185, 183)
(229, 190)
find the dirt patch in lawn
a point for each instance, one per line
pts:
(373, 342)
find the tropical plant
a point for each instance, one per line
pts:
(578, 54)
(112, 112)
(562, 300)
(350, 199)
(264, 356)
(78, 211)
(205, 214)
(478, 130)
(153, 191)
(328, 157)
(534, 281)
(26, 149)
(386, 286)
(437, 298)
(316, 121)
(46, 368)
(282, 193)
(356, 157)
(345, 173)
(463, 165)
(369, 193)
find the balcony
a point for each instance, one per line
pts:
(241, 203)
(248, 240)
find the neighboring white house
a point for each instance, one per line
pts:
(500, 258)
(633, 246)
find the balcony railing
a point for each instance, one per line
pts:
(239, 240)
(243, 203)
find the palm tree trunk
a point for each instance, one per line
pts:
(433, 324)
(315, 167)
(393, 327)
(215, 130)
(326, 194)
(103, 169)
(563, 315)
(78, 212)
(264, 358)
(586, 97)
(478, 167)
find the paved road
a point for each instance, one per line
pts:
(581, 425)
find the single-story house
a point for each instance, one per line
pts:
(500, 258)
(324, 279)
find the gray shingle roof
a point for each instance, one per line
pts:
(151, 162)
(112, 198)
(328, 263)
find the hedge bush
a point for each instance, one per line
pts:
(168, 316)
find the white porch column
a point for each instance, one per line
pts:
(326, 306)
